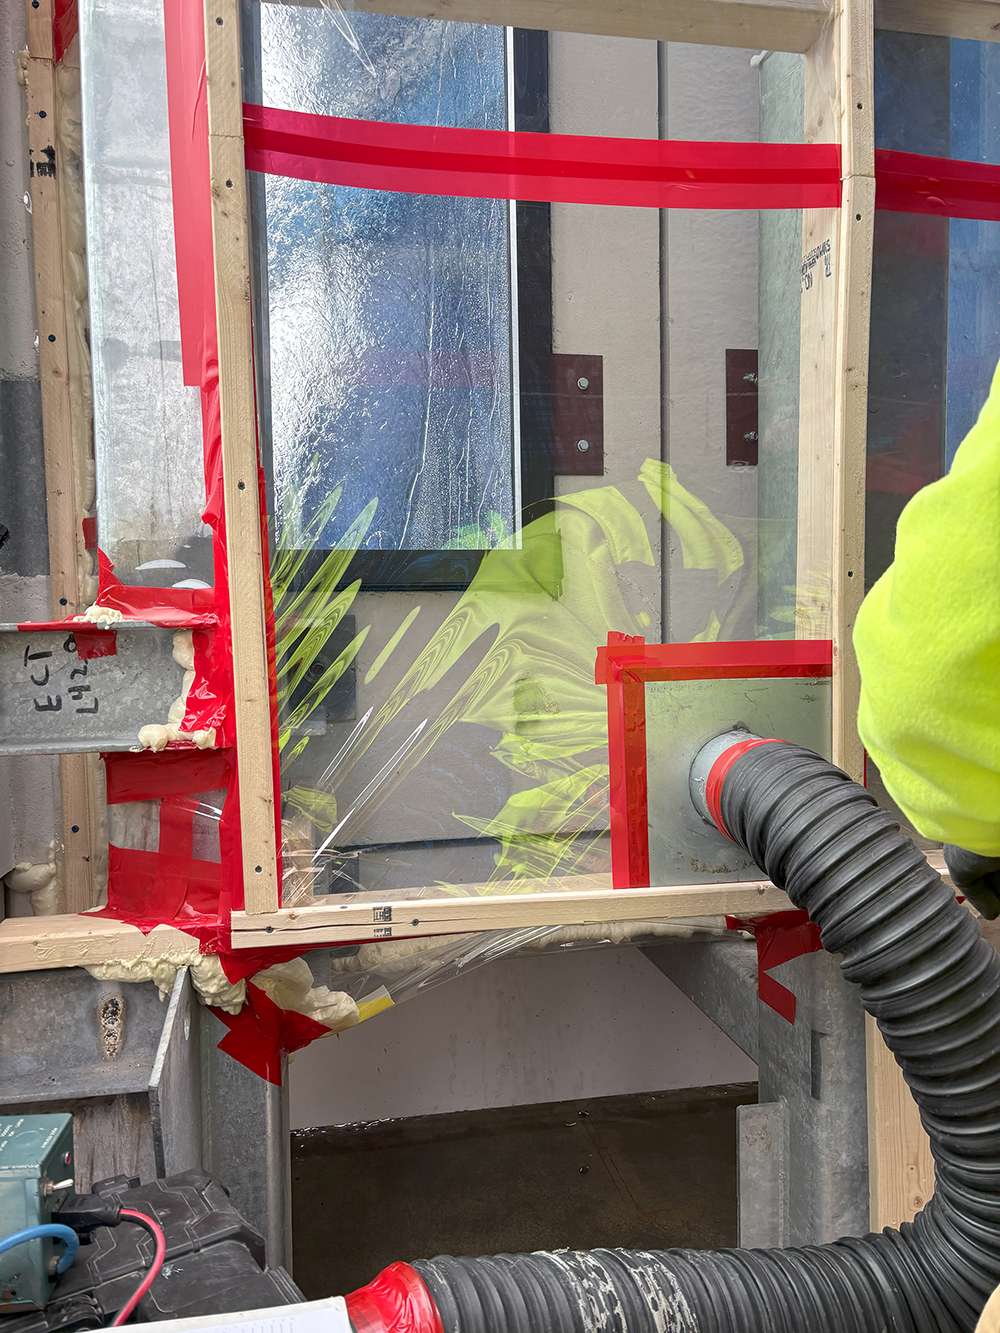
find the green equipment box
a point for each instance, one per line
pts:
(36, 1173)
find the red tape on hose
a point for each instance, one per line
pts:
(396, 1301)
(717, 776)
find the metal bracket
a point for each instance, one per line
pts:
(577, 415)
(52, 701)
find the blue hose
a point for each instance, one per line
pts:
(54, 1229)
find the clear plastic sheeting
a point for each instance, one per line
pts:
(147, 425)
(440, 728)
(379, 975)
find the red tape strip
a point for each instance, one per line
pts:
(88, 639)
(717, 777)
(780, 937)
(945, 186)
(396, 1301)
(65, 22)
(149, 777)
(262, 1031)
(546, 168)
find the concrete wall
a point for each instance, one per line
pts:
(588, 1023)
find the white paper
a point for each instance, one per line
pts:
(326, 1316)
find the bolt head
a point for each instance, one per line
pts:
(583, 383)
(583, 446)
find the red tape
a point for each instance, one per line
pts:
(720, 769)
(945, 186)
(262, 1031)
(170, 885)
(88, 640)
(170, 608)
(396, 1301)
(65, 22)
(145, 776)
(780, 937)
(546, 168)
(150, 889)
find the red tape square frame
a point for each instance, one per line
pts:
(624, 666)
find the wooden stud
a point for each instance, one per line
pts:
(33, 944)
(900, 1168)
(777, 25)
(230, 230)
(78, 776)
(580, 900)
(349, 917)
(38, 26)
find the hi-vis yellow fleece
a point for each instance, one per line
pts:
(928, 644)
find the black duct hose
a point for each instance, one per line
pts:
(932, 982)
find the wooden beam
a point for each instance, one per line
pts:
(775, 25)
(353, 917)
(230, 229)
(900, 1168)
(32, 944)
(976, 19)
(64, 419)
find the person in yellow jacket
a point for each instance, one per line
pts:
(927, 640)
(928, 644)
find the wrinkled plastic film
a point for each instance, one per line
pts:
(440, 727)
(439, 584)
(380, 974)
(441, 731)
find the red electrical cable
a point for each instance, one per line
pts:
(159, 1254)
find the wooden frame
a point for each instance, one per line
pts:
(839, 107)
(781, 25)
(238, 411)
(66, 431)
(838, 43)
(839, 76)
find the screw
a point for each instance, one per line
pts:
(583, 446)
(583, 383)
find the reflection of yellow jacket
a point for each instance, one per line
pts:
(928, 644)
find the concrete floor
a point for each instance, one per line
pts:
(652, 1170)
